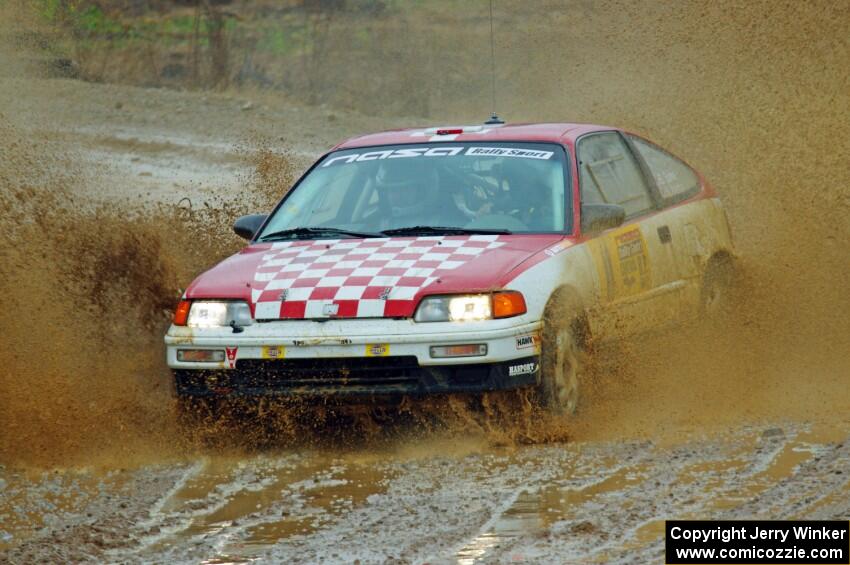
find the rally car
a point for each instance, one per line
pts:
(455, 259)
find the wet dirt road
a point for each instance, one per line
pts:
(430, 500)
(724, 430)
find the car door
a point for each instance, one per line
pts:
(635, 263)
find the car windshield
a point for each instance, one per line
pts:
(428, 189)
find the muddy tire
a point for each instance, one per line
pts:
(717, 288)
(563, 363)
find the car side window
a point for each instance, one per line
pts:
(675, 180)
(611, 175)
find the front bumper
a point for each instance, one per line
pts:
(355, 357)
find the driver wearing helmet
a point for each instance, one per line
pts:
(408, 192)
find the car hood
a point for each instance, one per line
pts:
(364, 278)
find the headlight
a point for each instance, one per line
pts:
(207, 314)
(470, 307)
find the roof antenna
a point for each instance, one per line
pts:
(494, 119)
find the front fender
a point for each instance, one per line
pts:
(568, 271)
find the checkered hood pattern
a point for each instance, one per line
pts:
(356, 278)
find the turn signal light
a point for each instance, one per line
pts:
(181, 313)
(508, 303)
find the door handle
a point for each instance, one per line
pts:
(664, 234)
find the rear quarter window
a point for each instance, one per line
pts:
(611, 174)
(675, 180)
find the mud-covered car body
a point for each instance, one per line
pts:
(624, 236)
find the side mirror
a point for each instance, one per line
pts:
(599, 217)
(246, 226)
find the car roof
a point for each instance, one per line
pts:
(541, 132)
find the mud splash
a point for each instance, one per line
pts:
(787, 196)
(87, 289)
(81, 291)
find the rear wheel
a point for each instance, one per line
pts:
(563, 364)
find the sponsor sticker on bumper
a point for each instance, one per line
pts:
(523, 369)
(530, 341)
(231, 353)
(377, 349)
(274, 352)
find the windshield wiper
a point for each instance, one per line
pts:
(311, 232)
(444, 230)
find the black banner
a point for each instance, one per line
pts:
(816, 542)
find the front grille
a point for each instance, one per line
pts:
(324, 372)
(350, 376)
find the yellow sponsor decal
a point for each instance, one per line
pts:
(632, 261)
(377, 349)
(622, 262)
(274, 352)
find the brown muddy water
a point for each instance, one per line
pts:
(107, 212)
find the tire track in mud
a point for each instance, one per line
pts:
(591, 502)
(232, 507)
(208, 488)
(542, 500)
(619, 514)
(96, 515)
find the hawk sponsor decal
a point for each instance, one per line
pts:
(231, 356)
(524, 369)
(441, 151)
(377, 349)
(274, 352)
(528, 342)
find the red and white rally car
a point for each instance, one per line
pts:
(454, 259)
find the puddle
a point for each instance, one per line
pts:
(780, 467)
(521, 518)
(262, 505)
(618, 481)
(711, 472)
(650, 532)
(28, 504)
(532, 512)
(836, 497)
(825, 433)
(350, 487)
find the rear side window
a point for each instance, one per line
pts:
(611, 175)
(675, 180)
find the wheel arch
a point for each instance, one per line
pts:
(566, 301)
(720, 259)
